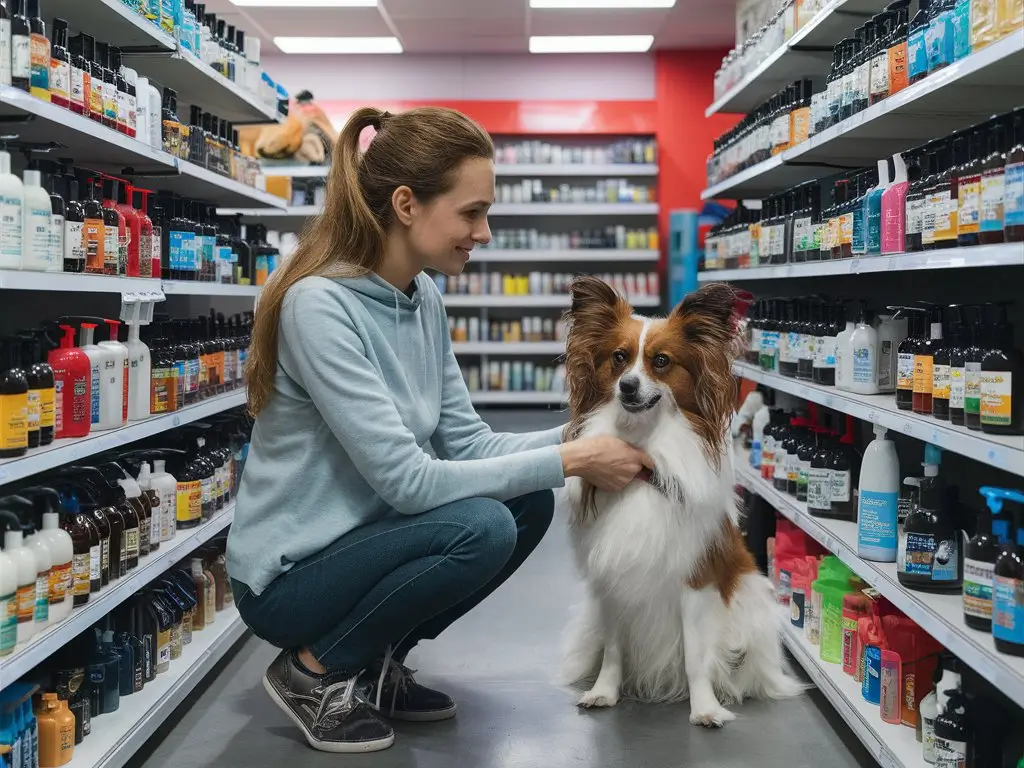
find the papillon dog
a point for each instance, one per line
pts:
(675, 607)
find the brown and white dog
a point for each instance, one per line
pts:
(676, 607)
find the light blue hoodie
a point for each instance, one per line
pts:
(369, 417)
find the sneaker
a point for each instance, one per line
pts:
(390, 689)
(325, 708)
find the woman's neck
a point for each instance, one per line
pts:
(399, 267)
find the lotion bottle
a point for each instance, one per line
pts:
(894, 208)
(864, 356)
(12, 200)
(119, 374)
(62, 550)
(27, 570)
(873, 209)
(879, 492)
(36, 223)
(8, 604)
(73, 376)
(42, 551)
(106, 404)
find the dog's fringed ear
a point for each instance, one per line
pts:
(591, 293)
(709, 314)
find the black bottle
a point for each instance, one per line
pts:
(21, 47)
(805, 452)
(785, 454)
(111, 223)
(930, 543)
(40, 379)
(843, 466)
(808, 338)
(74, 220)
(952, 734)
(941, 381)
(1002, 379)
(788, 341)
(915, 201)
(824, 368)
(1009, 569)
(14, 395)
(85, 538)
(959, 341)
(980, 557)
(69, 683)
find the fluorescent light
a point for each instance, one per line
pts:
(338, 44)
(308, 3)
(591, 43)
(602, 3)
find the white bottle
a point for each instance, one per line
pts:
(131, 77)
(155, 124)
(8, 604)
(156, 516)
(844, 368)
(139, 373)
(891, 333)
(40, 548)
(878, 497)
(12, 200)
(252, 64)
(761, 419)
(142, 109)
(864, 357)
(62, 553)
(57, 227)
(106, 369)
(36, 215)
(25, 563)
(166, 488)
(6, 44)
(119, 373)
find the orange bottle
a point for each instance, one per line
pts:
(56, 732)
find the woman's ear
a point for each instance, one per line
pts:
(403, 201)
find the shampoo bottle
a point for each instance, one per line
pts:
(42, 551)
(25, 563)
(980, 556)
(1002, 379)
(1008, 587)
(106, 388)
(56, 732)
(894, 208)
(13, 401)
(864, 356)
(873, 208)
(36, 223)
(8, 604)
(73, 387)
(119, 373)
(62, 550)
(879, 491)
(952, 732)
(12, 199)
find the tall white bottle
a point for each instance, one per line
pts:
(166, 487)
(139, 367)
(12, 199)
(106, 370)
(62, 553)
(25, 563)
(879, 494)
(864, 357)
(8, 604)
(37, 212)
(40, 548)
(844, 353)
(122, 365)
(156, 517)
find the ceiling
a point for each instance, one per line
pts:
(485, 26)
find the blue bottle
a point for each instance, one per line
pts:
(939, 37)
(961, 29)
(1008, 586)
(873, 208)
(917, 48)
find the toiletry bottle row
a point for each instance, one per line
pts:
(514, 376)
(617, 236)
(528, 329)
(204, 139)
(600, 191)
(538, 152)
(197, 245)
(538, 283)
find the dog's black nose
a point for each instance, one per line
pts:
(628, 385)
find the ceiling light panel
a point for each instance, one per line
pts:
(591, 43)
(306, 3)
(339, 45)
(602, 3)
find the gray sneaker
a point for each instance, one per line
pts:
(326, 709)
(389, 687)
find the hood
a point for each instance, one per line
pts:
(374, 288)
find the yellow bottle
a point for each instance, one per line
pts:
(984, 24)
(56, 732)
(1009, 17)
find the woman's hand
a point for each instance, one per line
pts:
(607, 463)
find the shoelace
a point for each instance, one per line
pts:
(331, 705)
(400, 676)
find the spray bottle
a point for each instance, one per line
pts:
(72, 385)
(106, 388)
(121, 363)
(135, 313)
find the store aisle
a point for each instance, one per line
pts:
(500, 663)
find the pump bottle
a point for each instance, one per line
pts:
(27, 572)
(12, 200)
(879, 491)
(1008, 587)
(36, 223)
(13, 402)
(8, 604)
(980, 557)
(139, 368)
(106, 405)
(40, 548)
(864, 356)
(121, 364)
(930, 546)
(61, 547)
(73, 387)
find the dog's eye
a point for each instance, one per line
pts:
(661, 361)
(619, 357)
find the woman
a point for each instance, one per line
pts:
(376, 508)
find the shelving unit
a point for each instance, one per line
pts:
(940, 615)
(528, 301)
(578, 256)
(518, 398)
(524, 169)
(574, 209)
(553, 348)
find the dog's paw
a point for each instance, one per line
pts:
(714, 717)
(598, 697)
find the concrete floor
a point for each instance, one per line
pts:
(500, 663)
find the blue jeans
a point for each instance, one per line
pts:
(396, 581)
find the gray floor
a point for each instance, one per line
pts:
(500, 663)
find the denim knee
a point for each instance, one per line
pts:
(493, 529)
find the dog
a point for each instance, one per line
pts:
(675, 607)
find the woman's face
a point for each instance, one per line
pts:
(443, 232)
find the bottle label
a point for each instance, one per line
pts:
(819, 489)
(39, 55)
(860, 240)
(876, 524)
(922, 555)
(10, 225)
(1008, 609)
(961, 23)
(939, 41)
(14, 421)
(8, 623)
(803, 238)
(41, 609)
(121, 105)
(26, 602)
(897, 68)
(37, 233)
(917, 53)
(1013, 195)
(880, 76)
(997, 398)
(105, 555)
(77, 87)
(56, 241)
(825, 352)
(61, 577)
(957, 386)
(923, 373)
(206, 493)
(74, 245)
(111, 251)
(94, 394)
(156, 253)
(915, 215)
(5, 51)
(993, 186)
(81, 567)
(941, 377)
(60, 79)
(864, 365)
(96, 96)
(32, 414)
(969, 205)
(846, 229)
(109, 93)
(94, 239)
(131, 547)
(972, 388)
(978, 588)
(839, 480)
(949, 753)
(190, 501)
(163, 646)
(21, 57)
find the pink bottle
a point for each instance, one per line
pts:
(894, 207)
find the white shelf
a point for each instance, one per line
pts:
(1003, 452)
(517, 398)
(893, 746)
(556, 348)
(807, 54)
(549, 300)
(611, 170)
(25, 280)
(941, 616)
(585, 255)
(574, 209)
(199, 288)
(117, 736)
(151, 567)
(1002, 255)
(68, 450)
(112, 21)
(294, 171)
(963, 94)
(97, 146)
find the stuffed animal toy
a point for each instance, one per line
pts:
(306, 135)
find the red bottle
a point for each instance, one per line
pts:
(72, 385)
(145, 238)
(132, 227)
(110, 190)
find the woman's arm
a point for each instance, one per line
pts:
(355, 403)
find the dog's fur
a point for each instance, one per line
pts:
(676, 607)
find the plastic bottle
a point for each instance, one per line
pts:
(74, 222)
(166, 486)
(894, 208)
(36, 223)
(942, 202)
(60, 67)
(1008, 586)
(924, 361)
(940, 35)
(13, 401)
(915, 203)
(984, 23)
(8, 604)
(917, 47)
(961, 22)
(941, 381)
(62, 551)
(12, 200)
(39, 53)
(107, 391)
(898, 46)
(133, 230)
(931, 550)
(145, 234)
(157, 514)
(94, 231)
(116, 227)
(844, 357)
(879, 491)
(120, 373)
(946, 678)
(53, 182)
(993, 185)
(56, 732)
(86, 578)
(42, 550)
(1013, 193)
(980, 557)
(72, 371)
(1002, 379)
(960, 336)
(952, 730)
(27, 569)
(864, 356)
(969, 191)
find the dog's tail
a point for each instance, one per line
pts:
(756, 627)
(583, 643)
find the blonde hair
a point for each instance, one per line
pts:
(420, 149)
